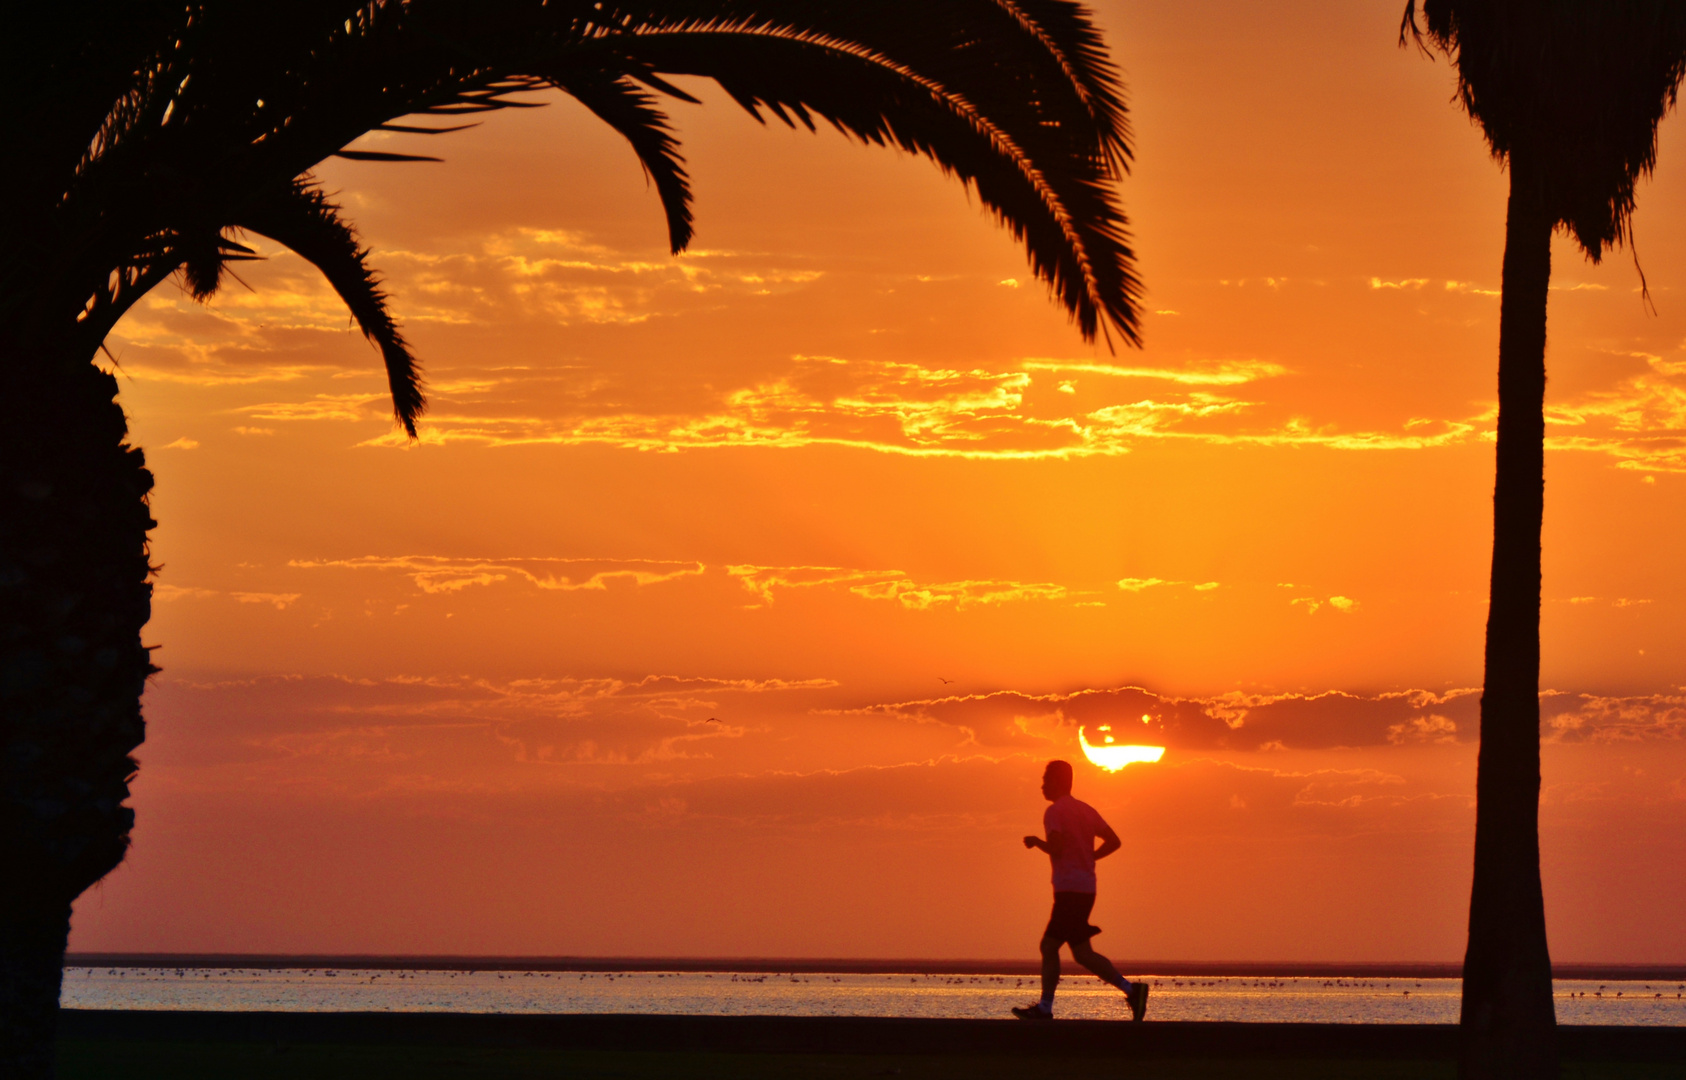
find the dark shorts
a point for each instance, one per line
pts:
(1070, 920)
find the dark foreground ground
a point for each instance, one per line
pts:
(417, 1046)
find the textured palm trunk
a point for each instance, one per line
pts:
(32, 942)
(1509, 1026)
(74, 595)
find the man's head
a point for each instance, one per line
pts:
(1056, 780)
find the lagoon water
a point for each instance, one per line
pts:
(1317, 1000)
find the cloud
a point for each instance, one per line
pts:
(1430, 728)
(1604, 718)
(909, 410)
(277, 600)
(793, 752)
(323, 407)
(1017, 412)
(1248, 721)
(1471, 288)
(1344, 788)
(291, 324)
(293, 331)
(1136, 585)
(765, 582)
(1237, 720)
(567, 279)
(886, 406)
(405, 729)
(183, 443)
(1641, 422)
(1224, 373)
(167, 593)
(442, 574)
(1345, 605)
(960, 594)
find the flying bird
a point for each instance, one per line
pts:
(944, 681)
(712, 720)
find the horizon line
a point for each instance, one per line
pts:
(1422, 969)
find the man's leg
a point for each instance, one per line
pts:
(1044, 1009)
(1107, 973)
(1050, 970)
(1103, 968)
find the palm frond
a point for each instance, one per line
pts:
(1075, 45)
(301, 218)
(204, 258)
(1017, 98)
(124, 287)
(380, 155)
(1011, 57)
(1577, 85)
(622, 104)
(412, 129)
(1045, 188)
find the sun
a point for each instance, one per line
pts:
(1113, 756)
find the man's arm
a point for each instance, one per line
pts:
(1051, 845)
(1109, 841)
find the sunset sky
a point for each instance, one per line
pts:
(844, 478)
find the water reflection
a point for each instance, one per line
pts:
(1320, 1000)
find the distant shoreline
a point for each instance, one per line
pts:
(798, 965)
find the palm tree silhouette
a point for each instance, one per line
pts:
(1568, 94)
(146, 137)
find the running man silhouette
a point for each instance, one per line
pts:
(1072, 827)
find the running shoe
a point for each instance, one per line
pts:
(1032, 1012)
(1137, 999)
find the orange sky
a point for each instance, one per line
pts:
(453, 697)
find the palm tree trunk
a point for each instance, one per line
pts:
(74, 595)
(32, 947)
(1508, 1022)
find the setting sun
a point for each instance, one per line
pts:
(1114, 756)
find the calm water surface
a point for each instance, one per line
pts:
(1363, 1001)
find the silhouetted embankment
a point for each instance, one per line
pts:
(841, 1035)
